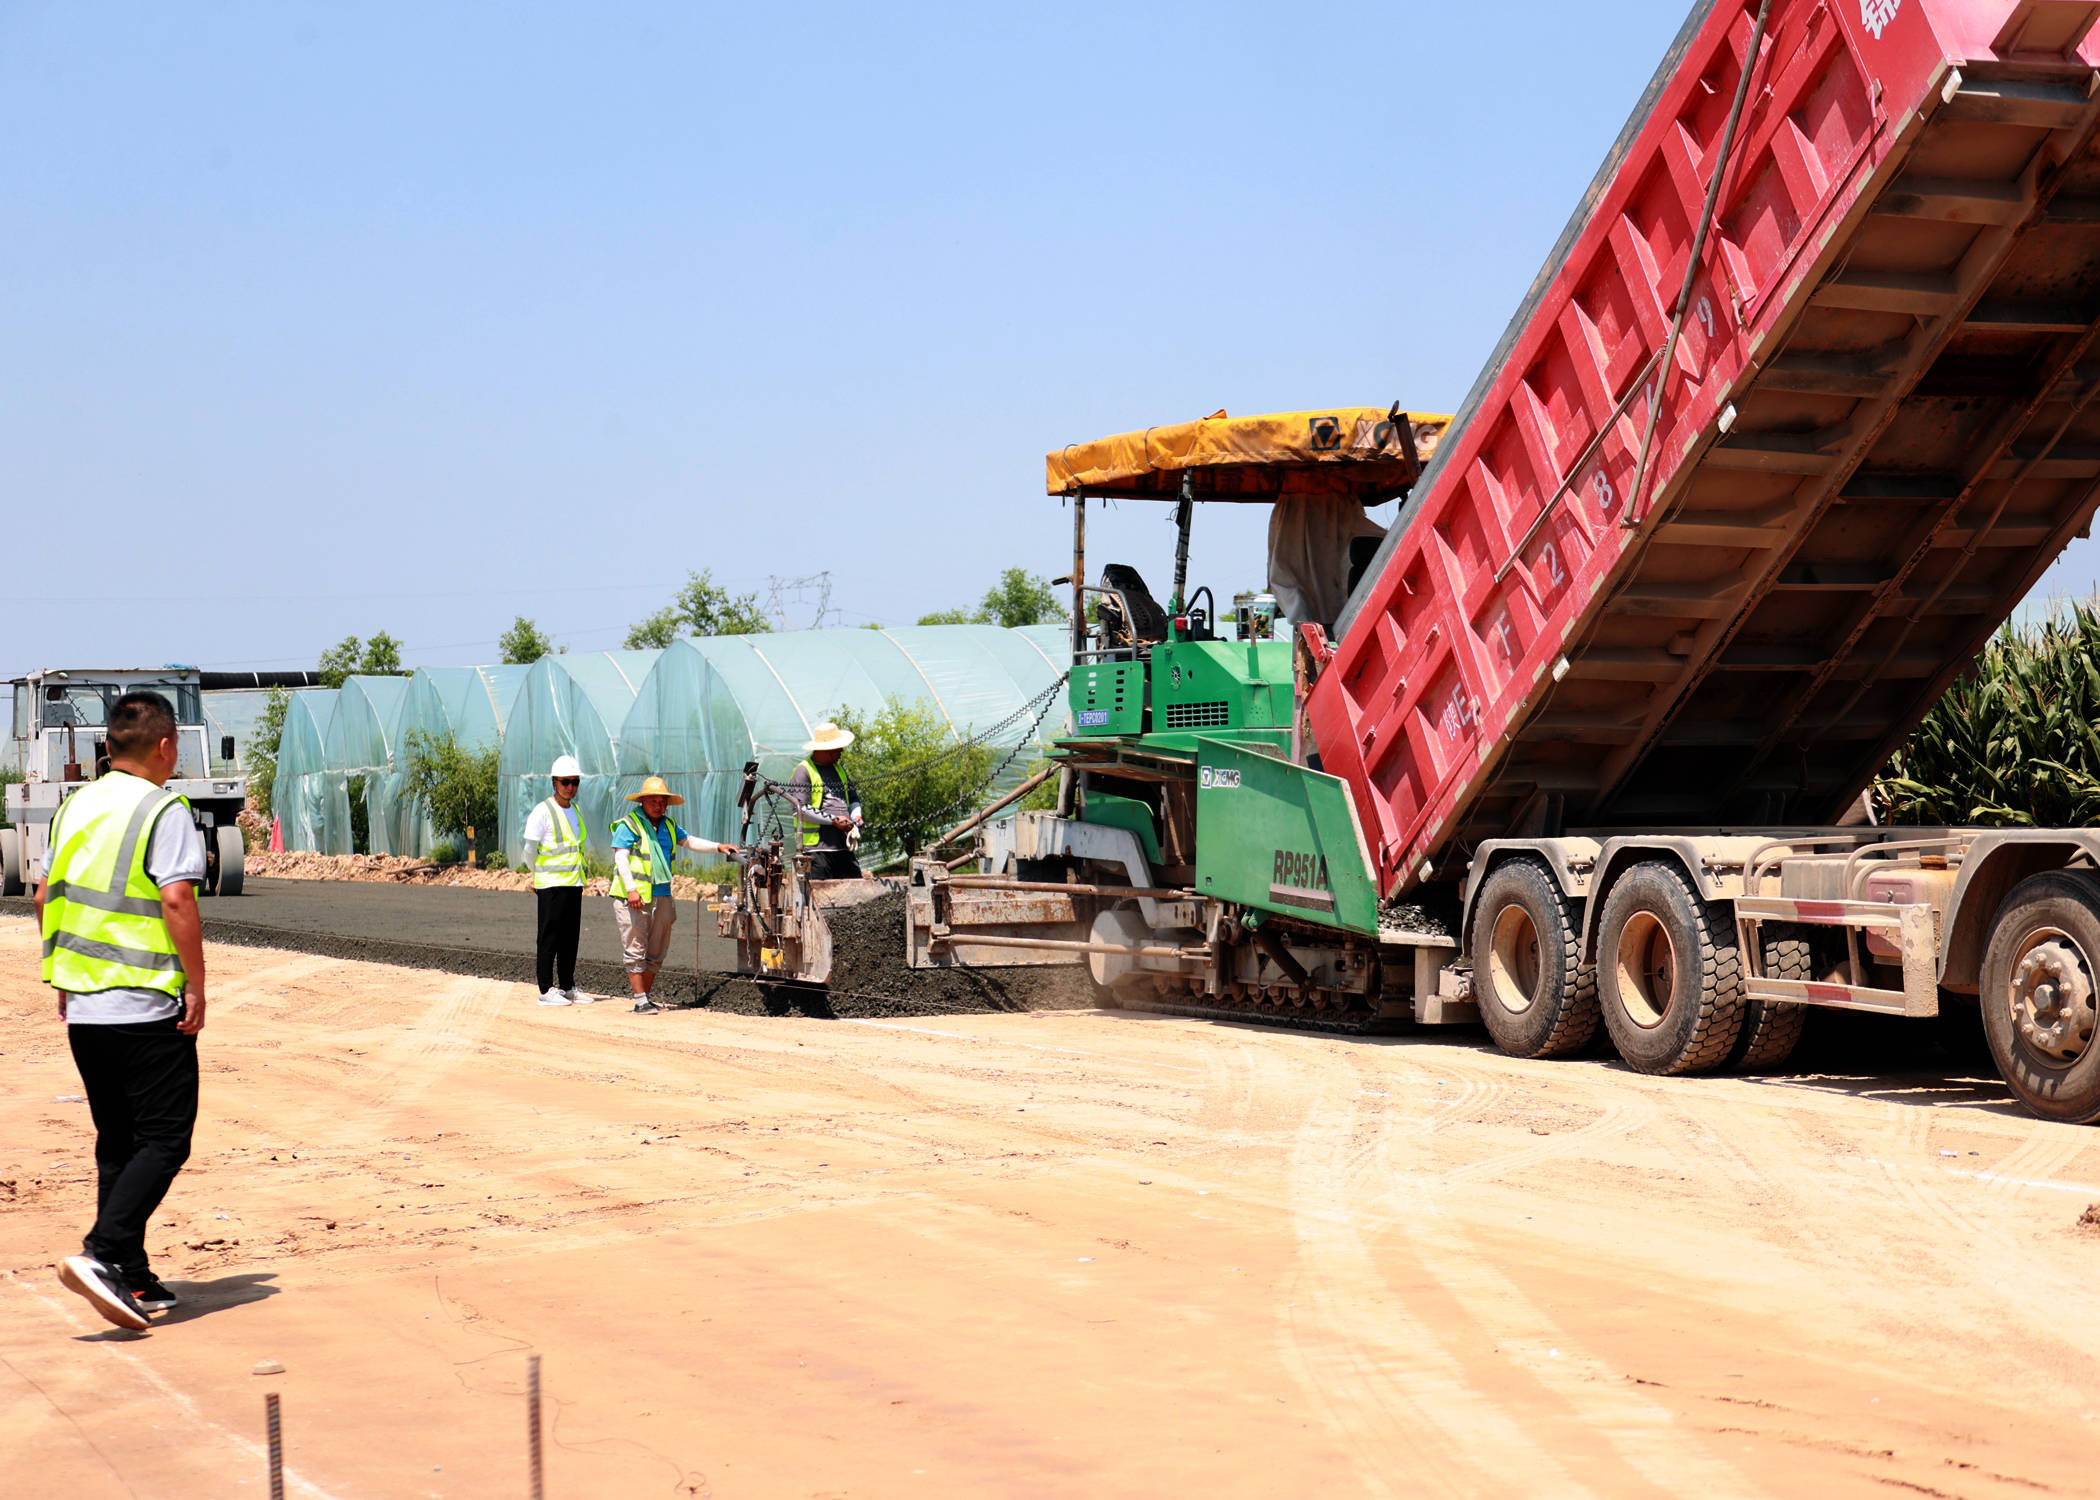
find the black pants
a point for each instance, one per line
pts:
(561, 920)
(833, 864)
(141, 1082)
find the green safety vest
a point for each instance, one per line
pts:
(811, 833)
(103, 928)
(560, 861)
(645, 838)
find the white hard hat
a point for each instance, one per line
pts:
(565, 765)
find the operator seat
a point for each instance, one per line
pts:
(1147, 622)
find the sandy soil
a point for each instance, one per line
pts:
(1053, 1254)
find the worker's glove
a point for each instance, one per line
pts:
(853, 839)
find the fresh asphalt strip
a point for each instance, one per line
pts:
(491, 935)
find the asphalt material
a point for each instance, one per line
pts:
(491, 934)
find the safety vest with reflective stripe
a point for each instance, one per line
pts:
(811, 833)
(645, 839)
(103, 928)
(560, 861)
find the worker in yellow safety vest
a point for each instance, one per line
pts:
(554, 852)
(827, 809)
(644, 844)
(123, 947)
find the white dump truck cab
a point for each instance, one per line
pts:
(58, 744)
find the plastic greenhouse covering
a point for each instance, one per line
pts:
(300, 790)
(713, 704)
(572, 703)
(472, 704)
(360, 755)
(693, 714)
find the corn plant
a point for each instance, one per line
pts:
(2014, 742)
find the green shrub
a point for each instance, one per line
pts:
(9, 776)
(360, 818)
(444, 852)
(495, 859)
(914, 776)
(259, 759)
(457, 787)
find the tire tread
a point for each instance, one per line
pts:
(1772, 1028)
(1712, 1034)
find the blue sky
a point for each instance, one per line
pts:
(421, 317)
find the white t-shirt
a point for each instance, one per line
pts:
(539, 827)
(175, 854)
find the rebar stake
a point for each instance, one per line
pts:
(532, 1425)
(275, 1422)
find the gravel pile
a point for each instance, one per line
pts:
(1429, 913)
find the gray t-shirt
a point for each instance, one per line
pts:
(175, 854)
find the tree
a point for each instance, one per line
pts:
(914, 775)
(654, 633)
(378, 657)
(457, 787)
(382, 657)
(701, 607)
(261, 756)
(1019, 598)
(523, 644)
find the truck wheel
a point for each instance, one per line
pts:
(233, 859)
(1669, 972)
(1536, 996)
(10, 861)
(2039, 978)
(1771, 1028)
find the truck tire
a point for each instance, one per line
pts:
(2038, 986)
(1772, 1028)
(10, 862)
(1535, 994)
(233, 859)
(1669, 973)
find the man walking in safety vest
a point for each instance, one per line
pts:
(125, 951)
(644, 843)
(554, 850)
(826, 809)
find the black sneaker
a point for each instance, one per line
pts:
(150, 1293)
(644, 1006)
(104, 1290)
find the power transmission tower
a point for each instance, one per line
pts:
(812, 593)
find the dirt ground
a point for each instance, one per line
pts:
(1051, 1254)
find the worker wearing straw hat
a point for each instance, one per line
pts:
(827, 809)
(644, 844)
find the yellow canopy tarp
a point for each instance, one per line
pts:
(1368, 452)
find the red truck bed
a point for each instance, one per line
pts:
(1877, 431)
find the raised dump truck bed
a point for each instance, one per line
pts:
(1877, 428)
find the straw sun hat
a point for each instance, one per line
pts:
(656, 786)
(828, 737)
